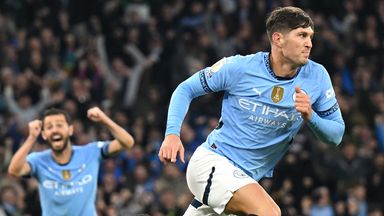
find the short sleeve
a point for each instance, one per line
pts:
(32, 160)
(102, 147)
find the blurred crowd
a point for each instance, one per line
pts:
(127, 56)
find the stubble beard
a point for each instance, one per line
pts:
(60, 150)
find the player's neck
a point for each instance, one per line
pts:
(281, 67)
(63, 157)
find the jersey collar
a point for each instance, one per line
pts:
(270, 71)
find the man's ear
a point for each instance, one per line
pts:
(43, 135)
(70, 130)
(277, 39)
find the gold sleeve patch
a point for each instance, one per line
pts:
(216, 67)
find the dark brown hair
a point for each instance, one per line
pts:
(55, 111)
(286, 19)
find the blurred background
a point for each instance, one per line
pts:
(127, 56)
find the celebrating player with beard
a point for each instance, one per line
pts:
(67, 174)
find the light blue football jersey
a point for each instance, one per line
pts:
(258, 118)
(68, 189)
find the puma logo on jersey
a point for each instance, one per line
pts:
(258, 93)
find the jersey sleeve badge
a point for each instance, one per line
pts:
(215, 68)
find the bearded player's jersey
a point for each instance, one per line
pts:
(258, 118)
(68, 189)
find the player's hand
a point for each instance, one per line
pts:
(303, 103)
(35, 128)
(96, 115)
(170, 148)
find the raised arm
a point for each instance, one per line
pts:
(123, 140)
(11, 102)
(109, 74)
(19, 165)
(135, 76)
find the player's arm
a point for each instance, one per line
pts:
(123, 140)
(210, 79)
(19, 165)
(178, 107)
(329, 127)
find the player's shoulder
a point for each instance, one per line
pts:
(40, 156)
(314, 69)
(244, 59)
(240, 63)
(313, 65)
(91, 145)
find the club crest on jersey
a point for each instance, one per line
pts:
(66, 174)
(239, 174)
(277, 94)
(216, 67)
(294, 94)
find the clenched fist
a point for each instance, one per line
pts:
(303, 104)
(96, 115)
(35, 128)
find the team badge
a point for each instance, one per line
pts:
(66, 174)
(239, 174)
(294, 94)
(277, 94)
